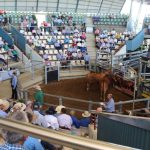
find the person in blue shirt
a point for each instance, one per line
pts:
(87, 60)
(14, 81)
(86, 120)
(75, 121)
(4, 105)
(109, 105)
(33, 144)
(66, 40)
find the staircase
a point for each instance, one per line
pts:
(90, 41)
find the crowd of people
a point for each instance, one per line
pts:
(111, 41)
(7, 52)
(60, 44)
(56, 118)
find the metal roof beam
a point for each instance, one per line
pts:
(100, 6)
(37, 5)
(77, 6)
(57, 5)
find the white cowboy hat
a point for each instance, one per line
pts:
(19, 106)
(37, 87)
(86, 114)
(5, 104)
(58, 108)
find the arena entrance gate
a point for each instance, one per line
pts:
(51, 74)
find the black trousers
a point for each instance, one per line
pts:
(14, 93)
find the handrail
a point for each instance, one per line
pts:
(56, 137)
(131, 101)
(120, 103)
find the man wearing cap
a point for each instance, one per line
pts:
(4, 105)
(39, 95)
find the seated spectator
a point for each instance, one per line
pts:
(45, 56)
(59, 56)
(1, 43)
(66, 40)
(76, 31)
(39, 117)
(64, 119)
(85, 121)
(53, 40)
(18, 107)
(57, 45)
(49, 40)
(75, 121)
(5, 46)
(109, 105)
(33, 144)
(50, 120)
(4, 105)
(79, 55)
(2, 59)
(58, 110)
(15, 55)
(13, 140)
(97, 32)
(74, 55)
(29, 107)
(83, 36)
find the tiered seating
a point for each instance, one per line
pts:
(119, 20)
(19, 17)
(111, 41)
(7, 53)
(72, 46)
(4, 57)
(59, 19)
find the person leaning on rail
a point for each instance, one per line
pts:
(109, 105)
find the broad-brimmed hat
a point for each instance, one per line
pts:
(37, 87)
(86, 114)
(19, 106)
(5, 104)
(58, 108)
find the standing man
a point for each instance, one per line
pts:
(14, 81)
(87, 60)
(39, 96)
(109, 105)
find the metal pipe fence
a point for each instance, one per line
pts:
(59, 138)
(73, 103)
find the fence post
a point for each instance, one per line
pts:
(26, 96)
(32, 71)
(60, 101)
(46, 74)
(90, 106)
(58, 67)
(148, 102)
(120, 107)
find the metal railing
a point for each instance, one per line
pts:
(59, 138)
(88, 104)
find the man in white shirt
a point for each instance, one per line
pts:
(64, 120)
(39, 117)
(50, 120)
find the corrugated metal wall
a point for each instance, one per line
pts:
(19, 39)
(113, 131)
(6, 37)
